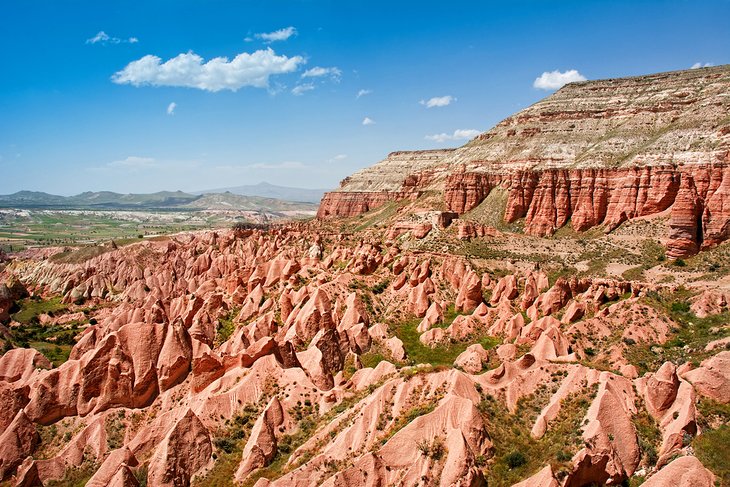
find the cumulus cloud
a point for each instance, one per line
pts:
(171, 108)
(191, 71)
(103, 38)
(363, 93)
(277, 35)
(438, 101)
(279, 165)
(318, 72)
(299, 90)
(338, 157)
(553, 80)
(459, 134)
(701, 65)
(368, 121)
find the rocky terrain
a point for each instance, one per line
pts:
(300, 355)
(595, 153)
(444, 329)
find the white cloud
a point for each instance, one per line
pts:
(555, 79)
(459, 134)
(277, 35)
(150, 165)
(171, 108)
(299, 90)
(318, 71)
(134, 162)
(103, 38)
(338, 157)
(363, 93)
(280, 165)
(191, 71)
(438, 101)
(368, 121)
(701, 65)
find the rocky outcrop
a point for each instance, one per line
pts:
(595, 153)
(183, 451)
(18, 440)
(400, 176)
(682, 472)
(261, 446)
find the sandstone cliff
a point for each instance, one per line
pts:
(594, 153)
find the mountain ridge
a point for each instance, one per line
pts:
(594, 153)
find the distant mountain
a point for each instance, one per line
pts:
(110, 199)
(107, 200)
(230, 201)
(31, 198)
(99, 199)
(267, 190)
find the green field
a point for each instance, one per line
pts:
(20, 229)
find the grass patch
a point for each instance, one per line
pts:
(491, 212)
(226, 327)
(56, 354)
(372, 358)
(31, 308)
(648, 434)
(418, 353)
(517, 455)
(81, 254)
(711, 448)
(652, 254)
(75, 476)
(686, 342)
(380, 214)
(53, 341)
(229, 443)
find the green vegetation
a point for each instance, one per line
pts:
(75, 476)
(31, 308)
(372, 358)
(226, 327)
(96, 228)
(652, 254)
(115, 429)
(686, 342)
(711, 448)
(418, 353)
(648, 434)
(381, 214)
(229, 443)
(404, 419)
(517, 455)
(53, 341)
(491, 212)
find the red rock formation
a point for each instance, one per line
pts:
(464, 191)
(682, 472)
(347, 204)
(261, 446)
(17, 441)
(183, 451)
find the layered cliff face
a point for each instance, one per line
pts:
(401, 175)
(594, 153)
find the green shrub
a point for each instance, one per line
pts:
(515, 459)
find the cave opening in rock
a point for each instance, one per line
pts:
(698, 228)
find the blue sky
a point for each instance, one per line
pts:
(86, 88)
